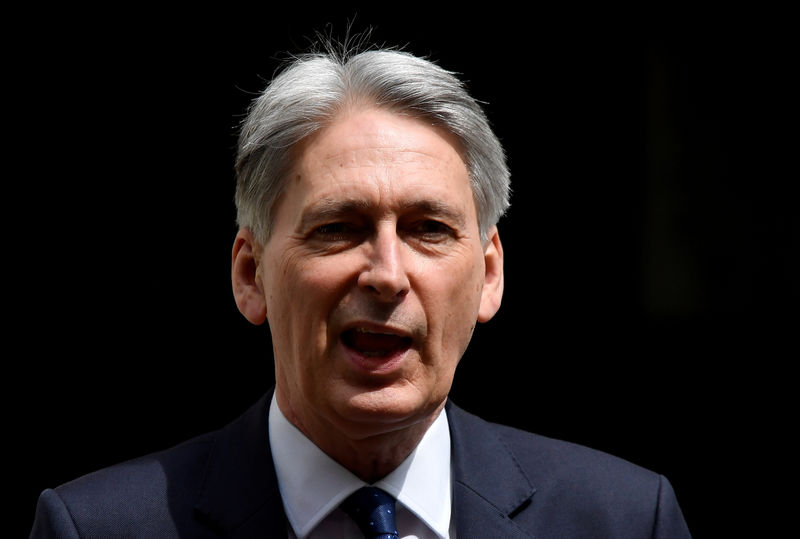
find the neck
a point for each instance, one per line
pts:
(370, 457)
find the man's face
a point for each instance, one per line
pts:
(374, 275)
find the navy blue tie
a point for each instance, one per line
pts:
(373, 511)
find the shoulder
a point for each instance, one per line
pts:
(546, 460)
(151, 493)
(549, 462)
(151, 473)
(593, 490)
(574, 474)
(577, 490)
(215, 480)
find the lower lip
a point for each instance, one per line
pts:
(375, 365)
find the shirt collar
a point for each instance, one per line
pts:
(312, 484)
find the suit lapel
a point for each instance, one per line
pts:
(240, 495)
(489, 487)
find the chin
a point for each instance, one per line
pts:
(387, 409)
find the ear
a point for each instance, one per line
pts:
(492, 292)
(247, 289)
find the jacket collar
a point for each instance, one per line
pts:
(489, 487)
(240, 495)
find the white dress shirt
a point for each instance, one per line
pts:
(313, 485)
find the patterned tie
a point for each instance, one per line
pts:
(373, 511)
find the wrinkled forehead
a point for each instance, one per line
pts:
(359, 129)
(380, 158)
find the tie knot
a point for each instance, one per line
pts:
(373, 510)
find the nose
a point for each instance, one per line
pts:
(384, 275)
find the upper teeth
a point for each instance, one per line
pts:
(365, 330)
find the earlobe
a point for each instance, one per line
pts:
(492, 293)
(247, 291)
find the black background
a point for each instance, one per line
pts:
(651, 247)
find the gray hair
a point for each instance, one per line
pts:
(307, 95)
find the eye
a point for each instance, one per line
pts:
(433, 231)
(335, 232)
(330, 229)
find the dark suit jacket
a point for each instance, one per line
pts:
(506, 484)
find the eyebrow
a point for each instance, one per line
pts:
(327, 209)
(436, 208)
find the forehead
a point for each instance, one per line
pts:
(381, 155)
(356, 127)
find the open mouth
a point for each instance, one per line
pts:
(375, 344)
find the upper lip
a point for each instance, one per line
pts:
(373, 327)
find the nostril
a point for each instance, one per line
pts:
(388, 285)
(388, 292)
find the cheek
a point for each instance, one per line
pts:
(304, 292)
(282, 284)
(289, 278)
(455, 308)
(319, 288)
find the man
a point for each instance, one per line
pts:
(369, 189)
